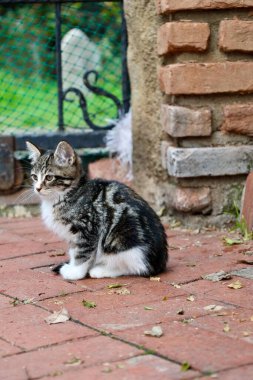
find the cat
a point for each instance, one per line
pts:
(111, 231)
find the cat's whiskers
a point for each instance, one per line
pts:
(25, 196)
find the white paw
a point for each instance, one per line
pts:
(100, 272)
(73, 272)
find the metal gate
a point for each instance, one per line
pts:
(63, 75)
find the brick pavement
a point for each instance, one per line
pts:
(108, 341)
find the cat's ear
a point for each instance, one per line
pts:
(64, 154)
(34, 152)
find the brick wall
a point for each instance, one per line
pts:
(206, 77)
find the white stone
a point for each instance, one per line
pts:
(198, 162)
(79, 55)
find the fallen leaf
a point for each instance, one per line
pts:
(158, 279)
(185, 366)
(57, 254)
(58, 317)
(229, 241)
(191, 298)
(155, 331)
(165, 298)
(251, 318)
(73, 362)
(175, 285)
(187, 320)
(122, 291)
(148, 308)
(191, 264)
(28, 301)
(226, 327)
(235, 285)
(15, 302)
(115, 286)
(248, 253)
(247, 333)
(217, 276)
(180, 312)
(213, 308)
(89, 304)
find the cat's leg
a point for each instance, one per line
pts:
(78, 266)
(130, 262)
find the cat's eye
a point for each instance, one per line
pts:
(34, 177)
(49, 177)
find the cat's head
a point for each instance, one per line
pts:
(54, 173)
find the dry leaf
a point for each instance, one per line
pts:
(235, 285)
(58, 317)
(122, 291)
(73, 362)
(28, 301)
(213, 308)
(158, 279)
(155, 331)
(148, 308)
(247, 333)
(175, 285)
(251, 318)
(191, 298)
(165, 298)
(185, 367)
(115, 286)
(191, 264)
(226, 327)
(89, 304)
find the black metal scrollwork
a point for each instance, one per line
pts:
(98, 91)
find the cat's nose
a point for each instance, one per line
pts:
(38, 189)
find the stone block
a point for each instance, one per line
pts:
(182, 36)
(206, 78)
(238, 118)
(183, 122)
(192, 200)
(198, 162)
(169, 6)
(236, 35)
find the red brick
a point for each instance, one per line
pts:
(236, 35)
(204, 350)
(146, 367)
(238, 118)
(247, 205)
(29, 318)
(182, 36)
(180, 121)
(168, 6)
(207, 78)
(26, 283)
(243, 373)
(192, 199)
(8, 348)
(52, 360)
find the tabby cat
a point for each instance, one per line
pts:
(110, 229)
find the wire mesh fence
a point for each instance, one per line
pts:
(90, 39)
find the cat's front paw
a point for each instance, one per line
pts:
(73, 272)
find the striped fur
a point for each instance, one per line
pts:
(110, 229)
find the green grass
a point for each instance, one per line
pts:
(30, 103)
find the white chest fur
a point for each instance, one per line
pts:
(54, 225)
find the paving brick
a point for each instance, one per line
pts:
(31, 318)
(182, 36)
(236, 35)
(206, 78)
(168, 6)
(8, 348)
(147, 367)
(198, 162)
(54, 359)
(204, 350)
(219, 291)
(238, 118)
(237, 321)
(180, 121)
(33, 284)
(15, 249)
(243, 373)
